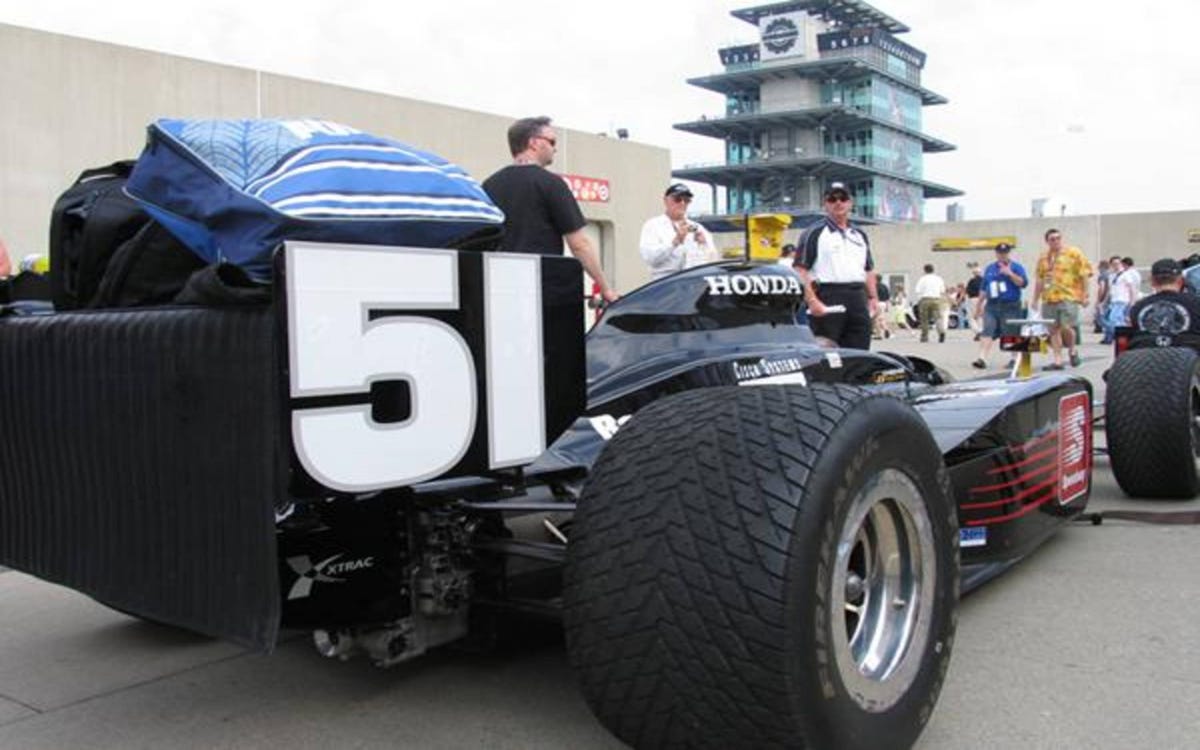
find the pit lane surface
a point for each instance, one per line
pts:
(1089, 643)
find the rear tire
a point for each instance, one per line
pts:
(1152, 422)
(762, 567)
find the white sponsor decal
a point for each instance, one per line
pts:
(765, 368)
(746, 284)
(607, 425)
(834, 359)
(792, 378)
(972, 536)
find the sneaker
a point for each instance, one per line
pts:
(979, 364)
(1011, 364)
(1076, 360)
(941, 338)
(1054, 366)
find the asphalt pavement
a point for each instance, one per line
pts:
(1091, 642)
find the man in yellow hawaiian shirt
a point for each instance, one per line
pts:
(1062, 287)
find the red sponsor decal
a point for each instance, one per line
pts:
(591, 189)
(1074, 446)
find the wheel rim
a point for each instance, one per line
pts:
(883, 591)
(1194, 398)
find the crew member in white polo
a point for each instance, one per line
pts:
(834, 259)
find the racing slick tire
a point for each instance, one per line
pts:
(1152, 422)
(765, 566)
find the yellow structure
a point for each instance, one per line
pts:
(763, 235)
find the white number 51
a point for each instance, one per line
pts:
(335, 349)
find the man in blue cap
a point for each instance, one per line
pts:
(999, 298)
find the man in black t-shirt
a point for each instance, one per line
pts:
(1170, 313)
(974, 287)
(539, 210)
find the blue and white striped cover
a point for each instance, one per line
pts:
(299, 179)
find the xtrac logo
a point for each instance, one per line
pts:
(742, 285)
(308, 574)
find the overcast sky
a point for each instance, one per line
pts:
(1100, 109)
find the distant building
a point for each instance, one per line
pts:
(828, 94)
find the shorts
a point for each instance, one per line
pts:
(994, 315)
(1063, 314)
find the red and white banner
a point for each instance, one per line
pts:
(590, 189)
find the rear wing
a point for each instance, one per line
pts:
(144, 453)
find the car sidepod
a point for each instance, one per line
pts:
(1019, 454)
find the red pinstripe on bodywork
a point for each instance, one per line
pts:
(1036, 464)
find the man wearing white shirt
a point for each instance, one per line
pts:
(834, 261)
(1135, 278)
(930, 292)
(670, 242)
(1122, 292)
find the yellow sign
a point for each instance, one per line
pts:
(765, 234)
(952, 244)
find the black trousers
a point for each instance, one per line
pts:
(851, 329)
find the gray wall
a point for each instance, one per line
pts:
(70, 104)
(905, 248)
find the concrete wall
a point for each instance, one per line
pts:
(786, 95)
(70, 104)
(1144, 237)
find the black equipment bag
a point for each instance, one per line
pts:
(88, 223)
(149, 268)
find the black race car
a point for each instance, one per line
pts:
(751, 539)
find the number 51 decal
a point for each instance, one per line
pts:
(461, 334)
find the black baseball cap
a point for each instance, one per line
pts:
(1003, 247)
(836, 188)
(678, 188)
(1167, 268)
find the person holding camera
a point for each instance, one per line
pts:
(671, 242)
(999, 299)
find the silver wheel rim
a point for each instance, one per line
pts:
(883, 591)
(1194, 399)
